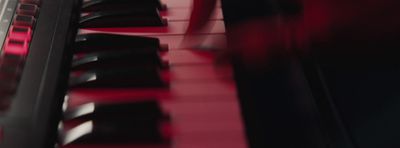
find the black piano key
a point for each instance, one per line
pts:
(128, 18)
(148, 77)
(96, 42)
(107, 5)
(105, 60)
(120, 132)
(127, 111)
(127, 122)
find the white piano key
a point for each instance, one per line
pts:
(178, 3)
(200, 72)
(210, 140)
(210, 124)
(200, 88)
(216, 126)
(117, 146)
(187, 57)
(200, 99)
(208, 41)
(183, 14)
(173, 28)
(132, 95)
(185, 111)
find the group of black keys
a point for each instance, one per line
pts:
(104, 60)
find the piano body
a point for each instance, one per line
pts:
(113, 73)
(336, 91)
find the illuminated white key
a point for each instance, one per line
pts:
(173, 28)
(183, 14)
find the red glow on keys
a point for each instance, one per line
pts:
(20, 33)
(17, 47)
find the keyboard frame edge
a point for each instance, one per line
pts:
(36, 111)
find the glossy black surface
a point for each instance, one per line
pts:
(125, 111)
(106, 5)
(123, 132)
(107, 60)
(119, 78)
(107, 42)
(119, 123)
(122, 18)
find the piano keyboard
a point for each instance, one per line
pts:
(114, 74)
(200, 105)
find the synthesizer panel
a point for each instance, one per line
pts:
(34, 69)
